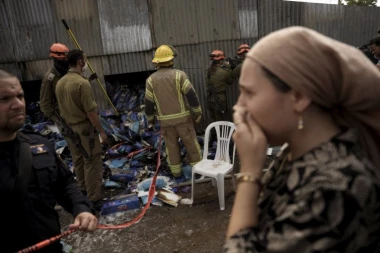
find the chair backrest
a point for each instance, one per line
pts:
(224, 131)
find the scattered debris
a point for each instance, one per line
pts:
(121, 204)
(131, 160)
(186, 202)
(66, 248)
(168, 197)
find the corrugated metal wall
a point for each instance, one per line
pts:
(124, 26)
(83, 19)
(8, 54)
(360, 23)
(327, 19)
(127, 63)
(248, 19)
(218, 20)
(274, 15)
(29, 28)
(194, 60)
(174, 22)
(120, 36)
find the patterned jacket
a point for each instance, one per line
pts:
(326, 201)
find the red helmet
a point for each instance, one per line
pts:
(58, 51)
(243, 48)
(217, 55)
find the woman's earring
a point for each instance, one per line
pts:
(300, 123)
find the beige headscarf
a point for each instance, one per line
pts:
(334, 75)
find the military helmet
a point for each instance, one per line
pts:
(217, 55)
(164, 53)
(243, 48)
(59, 51)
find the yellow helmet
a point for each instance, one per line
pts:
(164, 53)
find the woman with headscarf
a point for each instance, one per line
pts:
(322, 193)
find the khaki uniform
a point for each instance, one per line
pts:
(170, 96)
(219, 80)
(236, 72)
(75, 100)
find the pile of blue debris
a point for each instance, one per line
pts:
(130, 160)
(132, 156)
(34, 114)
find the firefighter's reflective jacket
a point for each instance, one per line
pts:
(170, 97)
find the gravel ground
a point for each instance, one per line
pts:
(197, 228)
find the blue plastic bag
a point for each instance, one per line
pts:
(186, 172)
(124, 178)
(117, 163)
(144, 185)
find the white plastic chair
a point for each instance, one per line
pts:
(221, 165)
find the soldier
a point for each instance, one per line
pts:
(79, 110)
(32, 180)
(242, 51)
(167, 92)
(48, 100)
(218, 78)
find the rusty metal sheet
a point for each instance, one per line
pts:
(35, 70)
(276, 14)
(99, 97)
(218, 20)
(325, 18)
(360, 24)
(29, 29)
(128, 63)
(124, 26)
(175, 22)
(16, 68)
(248, 18)
(83, 19)
(6, 37)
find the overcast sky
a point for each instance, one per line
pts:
(325, 1)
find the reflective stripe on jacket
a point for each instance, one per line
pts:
(170, 96)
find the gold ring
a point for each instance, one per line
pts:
(237, 123)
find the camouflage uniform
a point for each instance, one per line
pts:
(236, 72)
(48, 100)
(219, 80)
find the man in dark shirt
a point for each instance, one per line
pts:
(374, 45)
(32, 181)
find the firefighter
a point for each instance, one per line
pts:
(48, 100)
(218, 78)
(171, 98)
(242, 51)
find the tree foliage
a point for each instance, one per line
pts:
(360, 2)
